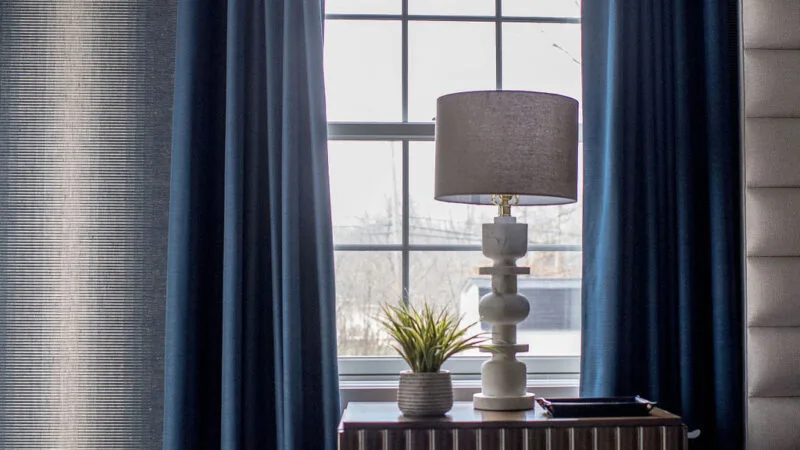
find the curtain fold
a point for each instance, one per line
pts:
(662, 286)
(250, 335)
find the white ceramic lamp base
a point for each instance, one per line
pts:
(503, 378)
(488, 403)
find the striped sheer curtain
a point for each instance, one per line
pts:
(85, 112)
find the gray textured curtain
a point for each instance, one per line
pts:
(85, 124)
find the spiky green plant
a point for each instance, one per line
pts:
(426, 338)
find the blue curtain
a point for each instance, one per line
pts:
(662, 287)
(250, 356)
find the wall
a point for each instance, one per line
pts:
(771, 36)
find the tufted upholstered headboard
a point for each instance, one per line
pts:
(771, 90)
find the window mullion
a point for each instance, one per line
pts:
(406, 201)
(498, 42)
(448, 247)
(380, 131)
(452, 18)
(404, 62)
(406, 213)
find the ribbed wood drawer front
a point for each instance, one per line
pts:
(381, 426)
(560, 438)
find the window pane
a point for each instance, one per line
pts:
(439, 278)
(362, 7)
(542, 8)
(452, 7)
(450, 280)
(435, 222)
(364, 280)
(542, 57)
(366, 191)
(363, 76)
(446, 57)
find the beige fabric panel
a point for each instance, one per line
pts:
(771, 24)
(773, 292)
(773, 355)
(771, 80)
(773, 423)
(771, 146)
(772, 155)
(772, 220)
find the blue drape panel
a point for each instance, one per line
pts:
(662, 295)
(250, 356)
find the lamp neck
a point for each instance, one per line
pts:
(504, 202)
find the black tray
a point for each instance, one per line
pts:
(596, 407)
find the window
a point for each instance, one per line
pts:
(386, 62)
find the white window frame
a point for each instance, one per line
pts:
(362, 371)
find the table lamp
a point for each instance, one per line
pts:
(505, 148)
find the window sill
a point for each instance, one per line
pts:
(386, 390)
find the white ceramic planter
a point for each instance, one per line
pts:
(425, 394)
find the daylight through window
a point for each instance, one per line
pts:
(386, 62)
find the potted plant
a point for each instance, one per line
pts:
(426, 339)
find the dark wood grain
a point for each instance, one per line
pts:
(442, 439)
(559, 438)
(652, 437)
(537, 438)
(467, 439)
(419, 438)
(607, 438)
(348, 440)
(677, 438)
(373, 439)
(514, 438)
(583, 437)
(491, 438)
(396, 439)
(627, 437)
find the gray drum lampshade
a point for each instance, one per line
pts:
(506, 142)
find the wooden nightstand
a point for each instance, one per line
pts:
(380, 426)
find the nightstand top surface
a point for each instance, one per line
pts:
(363, 415)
